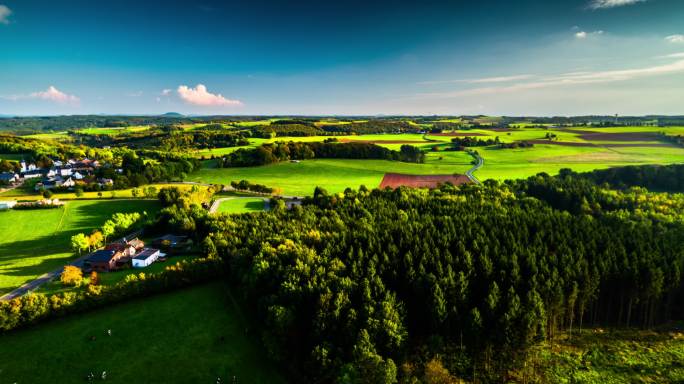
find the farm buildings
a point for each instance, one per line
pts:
(123, 253)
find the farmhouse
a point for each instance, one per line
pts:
(7, 205)
(146, 257)
(103, 260)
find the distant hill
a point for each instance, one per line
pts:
(173, 114)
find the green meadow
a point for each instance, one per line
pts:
(197, 335)
(335, 175)
(38, 241)
(241, 205)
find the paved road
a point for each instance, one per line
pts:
(478, 165)
(40, 280)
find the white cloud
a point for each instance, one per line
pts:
(135, 94)
(584, 34)
(5, 13)
(602, 4)
(54, 94)
(499, 79)
(575, 78)
(675, 38)
(200, 96)
(672, 56)
(166, 92)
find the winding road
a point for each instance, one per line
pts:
(478, 165)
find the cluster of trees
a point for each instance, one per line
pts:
(360, 284)
(119, 224)
(144, 167)
(284, 151)
(244, 185)
(469, 141)
(277, 129)
(654, 177)
(300, 127)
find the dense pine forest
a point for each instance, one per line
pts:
(367, 286)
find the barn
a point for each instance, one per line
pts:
(145, 257)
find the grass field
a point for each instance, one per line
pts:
(335, 175)
(612, 356)
(37, 241)
(242, 205)
(191, 336)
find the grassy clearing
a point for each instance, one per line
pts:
(333, 174)
(612, 356)
(37, 241)
(242, 205)
(504, 164)
(191, 336)
(113, 131)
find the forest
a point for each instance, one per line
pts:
(345, 290)
(284, 151)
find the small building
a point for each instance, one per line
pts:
(69, 183)
(77, 175)
(32, 174)
(9, 177)
(102, 261)
(7, 204)
(146, 257)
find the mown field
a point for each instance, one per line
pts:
(196, 335)
(37, 241)
(241, 205)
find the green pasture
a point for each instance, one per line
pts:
(38, 241)
(241, 205)
(112, 131)
(335, 175)
(196, 335)
(504, 164)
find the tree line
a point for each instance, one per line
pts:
(285, 151)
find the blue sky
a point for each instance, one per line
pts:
(526, 57)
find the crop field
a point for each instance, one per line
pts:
(196, 335)
(242, 205)
(335, 175)
(37, 241)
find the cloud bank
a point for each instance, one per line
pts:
(54, 94)
(603, 4)
(575, 78)
(5, 13)
(675, 38)
(201, 97)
